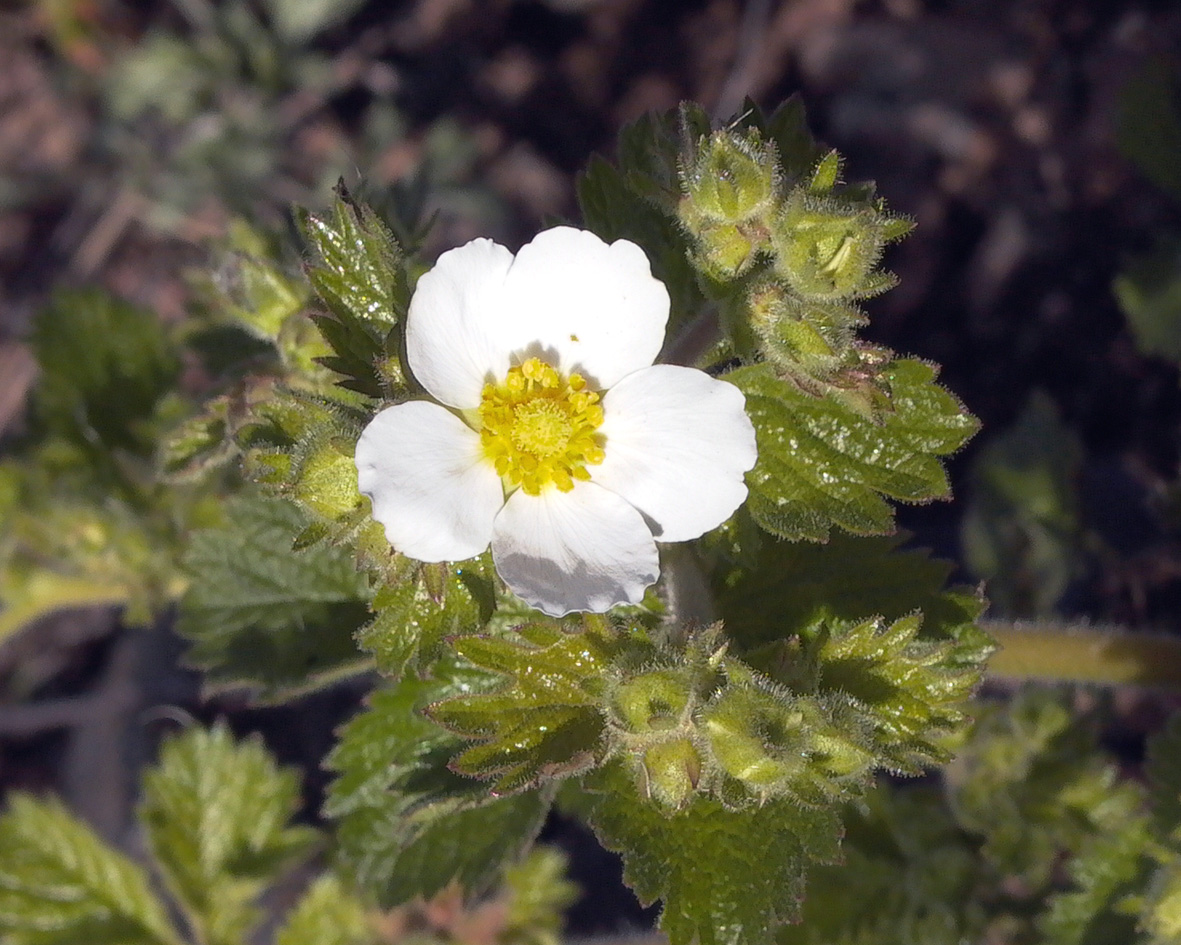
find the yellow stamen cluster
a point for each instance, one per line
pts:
(538, 427)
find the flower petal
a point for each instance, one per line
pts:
(430, 485)
(595, 306)
(451, 339)
(581, 550)
(677, 444)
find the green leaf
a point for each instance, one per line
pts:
(822, 464)
(1163, 770)
(1149, 123)
(1031, 784)
(61, 885)
(297, 21)
(1149, 292)
(408, 824)
(1108, 877)
(216, 813)
(104, 365)
(261, 614)
(546, 721)
(424, 604)
(358, 274)
(1021, 529)
(538, 892)
(725, 877)
(328, 914)
(782, 587)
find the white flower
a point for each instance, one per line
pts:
(554, 438)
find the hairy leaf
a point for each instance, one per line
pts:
(725, 877)
(261, 614)
(423, 605)
(408, 824)
(216, 813)
(61, 885)
(359, 277)
(821, 464)
(546, 721)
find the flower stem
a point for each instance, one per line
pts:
(1107, 656)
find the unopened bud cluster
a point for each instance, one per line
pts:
(710, 725)
(790, 257)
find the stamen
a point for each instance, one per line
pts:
(538, 428)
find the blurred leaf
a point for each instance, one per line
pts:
(1149, 292)
(725, 877)
(61, 885)
(1021, 530)
(822, 464)
(297, 21)
(1163, 771)
(544, 721)
(259, 613)
(1149, 126)
(538, 892)
(1031, 783)
(104, 365)
(216, 813)
(408, 824)
(328, 914)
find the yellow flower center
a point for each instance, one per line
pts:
(538, 427)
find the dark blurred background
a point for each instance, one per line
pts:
(1036, 143)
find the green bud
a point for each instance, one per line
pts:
(826, 250)
(653, 701)
(327, 479)
(756, 737)
(732, 179)
(725, 251)
(672, 771)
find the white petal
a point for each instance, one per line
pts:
(677, 444)
(593, 306)
(430, 485)
(581, 550)
(451, 339)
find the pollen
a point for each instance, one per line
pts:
(538, 427)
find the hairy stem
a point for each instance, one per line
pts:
(1062, 653)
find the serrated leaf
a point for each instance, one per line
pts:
(545, 722)
(104, 365)
(358, 275)
(725, 877)
(408, 824)
(822, 464)
(61, 885)
(216, 813)
(424, 604)
(328, 914)
(263, 615)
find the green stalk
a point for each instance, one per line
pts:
(1057, 652)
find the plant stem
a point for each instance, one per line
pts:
(1107, 656)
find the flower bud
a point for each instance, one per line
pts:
(672, 771)
(652, 702)
(725, 251)
(755, 737)
(827, 251)
(732, 179)
(327, 479)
